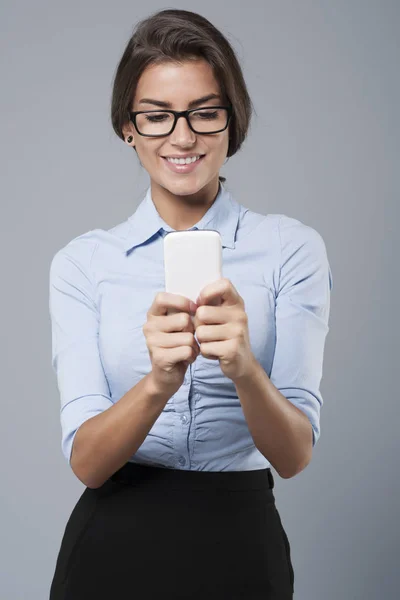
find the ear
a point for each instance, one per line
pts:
(127, 130)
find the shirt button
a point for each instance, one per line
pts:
(184, 419)
(182, 461)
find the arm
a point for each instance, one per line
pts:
(98, 435)
(105, 442)
(283, 411)
(281, 432)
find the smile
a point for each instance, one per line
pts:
(181, 166)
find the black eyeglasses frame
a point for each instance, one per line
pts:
(177, 114)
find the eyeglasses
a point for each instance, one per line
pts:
(157, 123)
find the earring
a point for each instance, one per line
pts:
(129, 139)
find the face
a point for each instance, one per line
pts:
(179, 85)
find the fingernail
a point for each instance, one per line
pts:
(193, 308)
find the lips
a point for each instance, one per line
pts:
(187, 156)
(185, 168)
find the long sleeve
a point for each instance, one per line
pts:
(84, 390)
(302, 314)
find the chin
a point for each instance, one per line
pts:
(184, 187)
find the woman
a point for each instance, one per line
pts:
(175, 449)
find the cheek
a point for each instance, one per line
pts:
(225, 146)
(218, 150)
(148, 154)
(217, 143)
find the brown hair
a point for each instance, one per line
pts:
(174, 35)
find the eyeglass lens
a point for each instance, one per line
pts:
(205, 120)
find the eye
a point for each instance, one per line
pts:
(156, 118)
(208, 115)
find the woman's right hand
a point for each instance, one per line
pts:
(170, 340)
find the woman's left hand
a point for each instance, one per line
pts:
(221, 326)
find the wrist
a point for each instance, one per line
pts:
(154, 390)
(249, 373)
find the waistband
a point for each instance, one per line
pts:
(134, 473)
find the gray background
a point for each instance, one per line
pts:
(323, 148)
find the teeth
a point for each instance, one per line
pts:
(183, 161)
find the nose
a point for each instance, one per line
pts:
(182, 134)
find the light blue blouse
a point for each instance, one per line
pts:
(102, 284)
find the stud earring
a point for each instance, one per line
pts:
(129, 139)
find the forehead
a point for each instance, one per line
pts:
(177, 81)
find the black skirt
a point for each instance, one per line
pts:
(152, 533)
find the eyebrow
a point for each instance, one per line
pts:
(192, 104)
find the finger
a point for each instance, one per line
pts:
(212, 333)
(179, 354)
(162, 339)
(170, 323)
(165, 302)
(214, 350)
(222, 291)
(212, 315)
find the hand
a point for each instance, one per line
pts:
(222, 331)
(170, 340)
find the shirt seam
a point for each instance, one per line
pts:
(94, 286)
(85, 396)
(280, 253)
(93, 275)
(270, 288)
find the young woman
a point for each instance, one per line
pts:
(174, 437)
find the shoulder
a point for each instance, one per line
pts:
(77, 252)
(297, 233)
(257, 225)
(83, 248)
(280, 223)
(303, 251)
(279, 229)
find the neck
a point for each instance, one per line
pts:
(182, 212)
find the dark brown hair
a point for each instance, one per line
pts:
(174, 35)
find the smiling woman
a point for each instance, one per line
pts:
(176, 460)
(179, 91)
(201, 132)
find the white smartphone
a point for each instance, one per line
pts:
(192, 260)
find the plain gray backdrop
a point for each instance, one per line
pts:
(323, 148)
